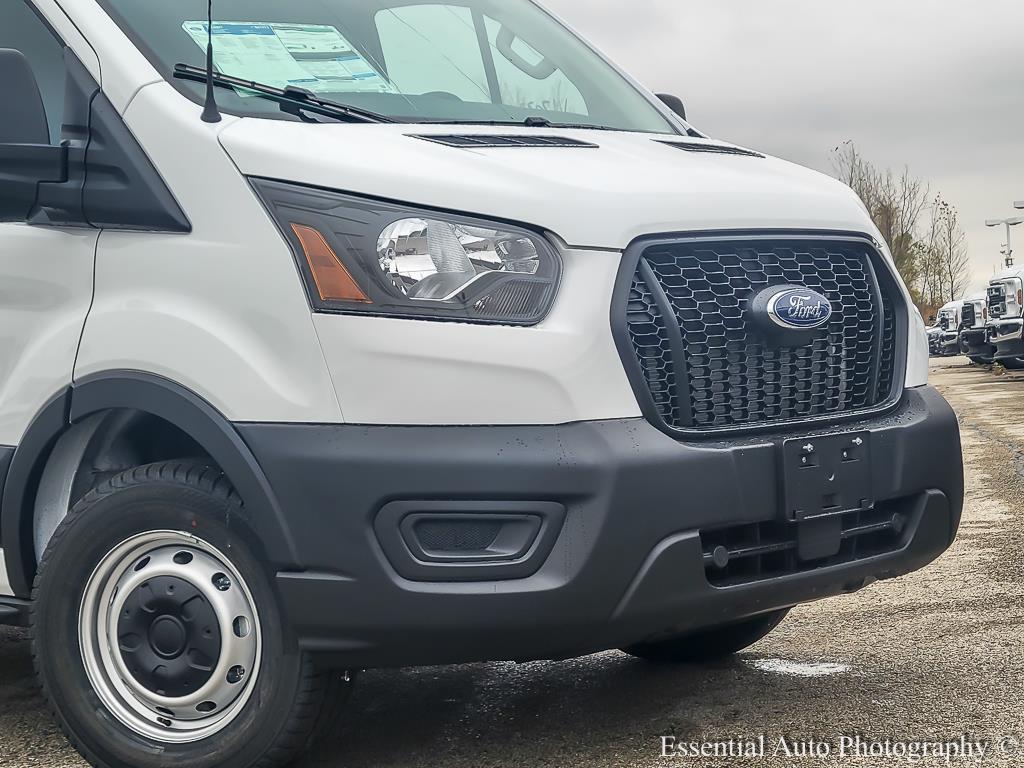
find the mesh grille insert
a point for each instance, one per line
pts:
(734, 376)
(454, 536)
(651, 344)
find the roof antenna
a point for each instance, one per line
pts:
(210, 112)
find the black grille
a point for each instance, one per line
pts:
(968, 315)
(996, 301)
(768, 550)
(481, 141)
(730, 376)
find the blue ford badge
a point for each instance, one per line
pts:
(799, 308)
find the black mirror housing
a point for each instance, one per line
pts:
(24, 119)
(23, 167)
(674, 103)
(26, 155)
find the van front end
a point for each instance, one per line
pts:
(700, 430)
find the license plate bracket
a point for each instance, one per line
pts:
(827, 476)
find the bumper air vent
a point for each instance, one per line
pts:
(761, 551)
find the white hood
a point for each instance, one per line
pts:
(631, 185)
(1006, 274)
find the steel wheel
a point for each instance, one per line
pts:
(170, 637)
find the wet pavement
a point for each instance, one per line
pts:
(931, 659)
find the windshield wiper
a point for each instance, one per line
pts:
(530, 122)
(293, 101)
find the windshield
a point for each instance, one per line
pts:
(501, 61)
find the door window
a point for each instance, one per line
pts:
(23, 30)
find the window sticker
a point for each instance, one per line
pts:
(312, 56)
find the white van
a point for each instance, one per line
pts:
(1006, 316)
(430, 338)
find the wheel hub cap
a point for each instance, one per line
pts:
(169, 636)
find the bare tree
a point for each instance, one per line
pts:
(930, 253)
(952, 249)
(895, 202)
(930, 289)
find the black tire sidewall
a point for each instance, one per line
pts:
(92, 530)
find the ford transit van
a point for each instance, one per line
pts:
(340, 334)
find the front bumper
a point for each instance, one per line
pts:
(949, 344)
(975, 343)
(1008, 338)
(625, 561)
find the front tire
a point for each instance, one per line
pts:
(157, 636)
(709, 644)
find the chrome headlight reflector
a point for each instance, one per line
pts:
(371, 257)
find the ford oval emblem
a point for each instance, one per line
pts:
(799, 308)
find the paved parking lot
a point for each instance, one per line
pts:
(933, 657)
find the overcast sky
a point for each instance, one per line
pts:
(934, 84)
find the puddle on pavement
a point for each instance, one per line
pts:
(798, 668)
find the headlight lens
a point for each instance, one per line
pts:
(366, 256)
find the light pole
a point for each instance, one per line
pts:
(1009, 240)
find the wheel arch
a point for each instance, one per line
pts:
(131, 392)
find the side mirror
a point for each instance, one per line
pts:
(26, 156)
(674, 103)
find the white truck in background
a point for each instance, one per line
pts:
(947, 342)
(1005, 297)
(974, 329)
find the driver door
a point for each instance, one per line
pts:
(46, 273)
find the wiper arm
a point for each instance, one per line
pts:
(530, 122)
(292, 100)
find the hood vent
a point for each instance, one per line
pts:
(483, 141)
(715, 149)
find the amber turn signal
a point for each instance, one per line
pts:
(333, 280)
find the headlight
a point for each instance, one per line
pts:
(370, 257)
